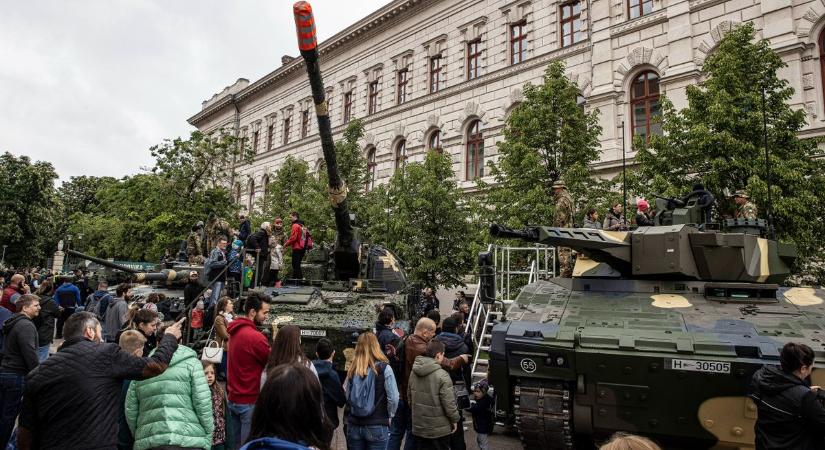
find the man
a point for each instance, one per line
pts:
(296, 242)
(744, 208)
(17, 287)
(192, 289)
(68, 298)
(19, 358)
(427, 303)
(194, 251)
(245, 228)
(71, 400)
(454, 346)
(430, 390)
(387, 339)
(98, 302)
(215, 265)
(563, 218)
(258, 243)
(250, 351)
(334, 395)
(412, 347)
(117, 311)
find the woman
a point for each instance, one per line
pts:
(614, 220)
(173, 408)
(288, 413)
(368, 424)
(146, 322)
(286, 349)
(643, 218)
(789, 410)
(152, 302)
(223, 318)
(45, 321)
(591, 220)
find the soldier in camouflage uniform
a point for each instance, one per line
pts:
(194, 251)
(215, 228)
(563, 218)
(744, 208)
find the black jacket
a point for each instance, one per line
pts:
(454, 346)
(45, 321)
(789, 414)
(643, 220)
(386, 339)
(19, 345)
(72, 399)
(482, 412)
(259, 240)
(245, 230)
(334, 396)
(190, 292)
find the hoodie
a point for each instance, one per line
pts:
(454, 346)
(789, 414)
(432, 400)
(334, 396)
(248, 352)
(19, 345)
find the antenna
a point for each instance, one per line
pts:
(772, 231)
(624, 178)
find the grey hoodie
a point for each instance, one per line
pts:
(432, 400)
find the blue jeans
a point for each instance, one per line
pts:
(240, 416)
(217, 287)
(11, 393)
(401, 428)
(43, 352)
(372, 437)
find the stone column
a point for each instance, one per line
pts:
(59, 257)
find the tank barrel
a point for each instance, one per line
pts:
(500, 231)
(102, 262)
(163, 275)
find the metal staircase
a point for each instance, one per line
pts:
(483, 317)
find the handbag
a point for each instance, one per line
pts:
(212, 352)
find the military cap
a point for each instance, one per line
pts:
(741, 193)
(558, 184)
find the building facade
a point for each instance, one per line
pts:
(443, 74)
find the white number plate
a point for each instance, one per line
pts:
(693, 365)
(314, 333)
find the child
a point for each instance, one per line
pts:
(482, 412)
(334, 396)
(218, 407)
(131, 341)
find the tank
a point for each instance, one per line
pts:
(658, 332)
(349, 281)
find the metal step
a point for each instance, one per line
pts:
(485, 348)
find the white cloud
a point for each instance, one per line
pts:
(90, 85)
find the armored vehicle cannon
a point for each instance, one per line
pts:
(657, 333)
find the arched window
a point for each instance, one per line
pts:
(434, 143)
(646, 111)
(264, 185)
(400, 154)
(251, 200)
(371, 168)
(475, 151)
(822, 60)
(237, 192)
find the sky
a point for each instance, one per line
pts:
(91, 85)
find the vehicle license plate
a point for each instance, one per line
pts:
(314, 333)
(694, 365)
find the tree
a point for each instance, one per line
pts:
(29, 209)
(547, 137)
(422, 217)
(352, 164)
(718, 139)
(79, 194)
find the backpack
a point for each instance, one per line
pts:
(361, 393)
(306, 238)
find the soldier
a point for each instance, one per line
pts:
(744, 208)
(194, 251)
(215, 228)
(563, 218)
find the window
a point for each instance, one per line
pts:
(269, 135)
(403, 82)
(401, 154)
(644, 104)
(264, 185)
(237, 192)
(243, 145)
(639, 8)
(436, 74)
(518, 42)
(347, 106)
(251, 195)
(373, 98)
(304, 123)
(435, 141)
(473, 59)
(371, 168)
(287, 121)
(570, 23)
(255, 142)
(475, 151)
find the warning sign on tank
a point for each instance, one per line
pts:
(694, 365)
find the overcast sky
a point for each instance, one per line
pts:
(90, 85)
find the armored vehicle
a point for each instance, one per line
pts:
(355, 279)
(658, 332)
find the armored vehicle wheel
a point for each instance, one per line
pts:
(543, 412)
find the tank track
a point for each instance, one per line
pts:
(544, 414)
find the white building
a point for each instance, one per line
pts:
(444, 73)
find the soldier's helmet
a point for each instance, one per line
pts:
(559, 184)
(741, 193)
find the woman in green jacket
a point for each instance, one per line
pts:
(173, 408)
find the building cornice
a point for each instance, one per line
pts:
(639, 24)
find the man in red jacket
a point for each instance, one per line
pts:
(247, 355)
(296, 242)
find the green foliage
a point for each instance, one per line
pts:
(547, 137)
(79, 194)
(29, 209)
(352, 164)
(421, 216)
(718, 140)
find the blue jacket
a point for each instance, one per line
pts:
(334, 395)
(271, 443)
(67, 295)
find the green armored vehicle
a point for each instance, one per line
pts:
(657, 333)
